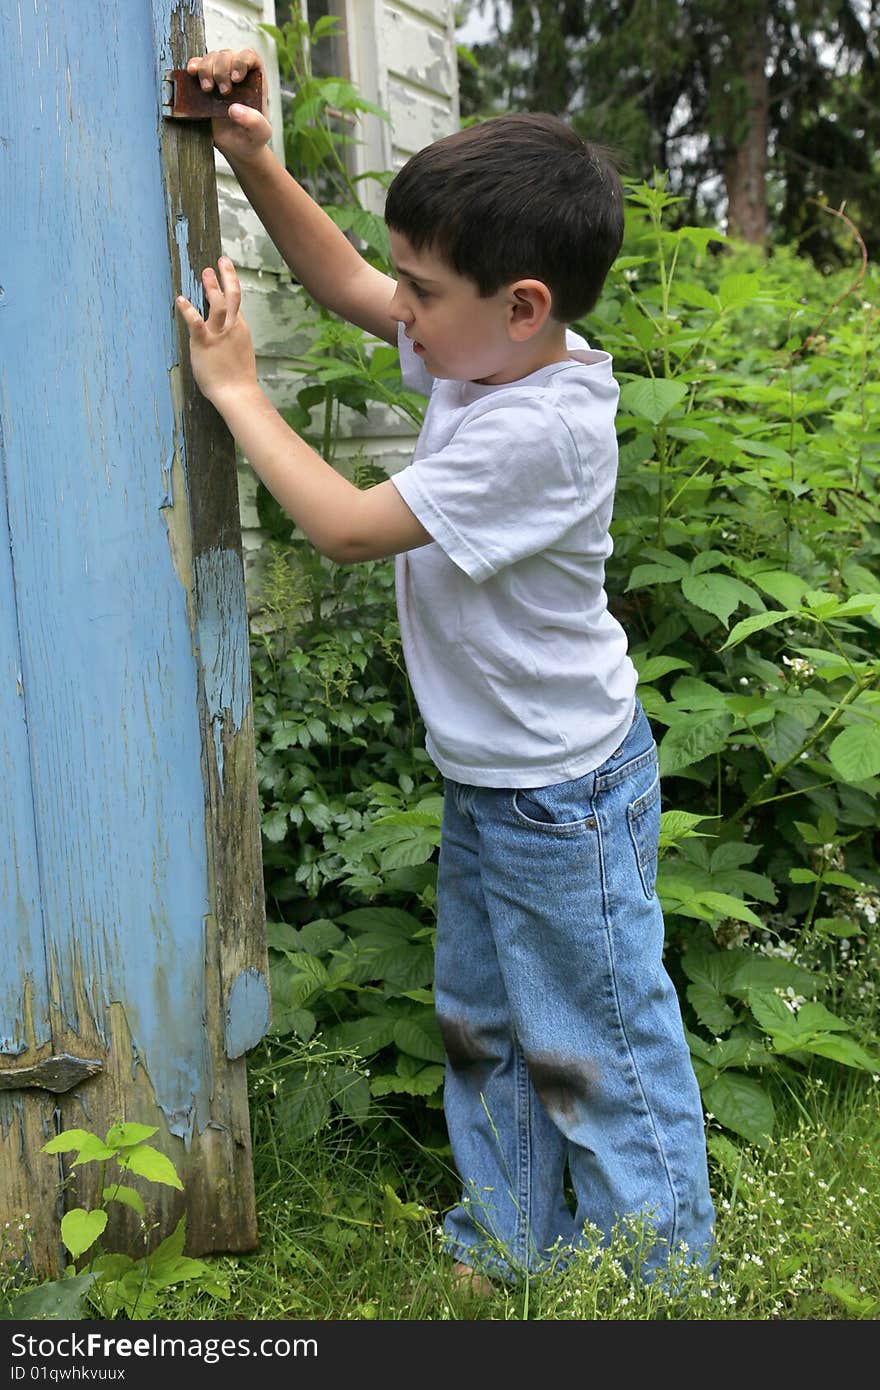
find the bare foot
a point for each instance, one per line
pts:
(463, 1277)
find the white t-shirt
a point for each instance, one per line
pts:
(520, 672)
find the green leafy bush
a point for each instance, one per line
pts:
(745, 573)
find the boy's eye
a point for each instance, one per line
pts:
(418, 291)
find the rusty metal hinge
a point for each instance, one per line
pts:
(183, 98)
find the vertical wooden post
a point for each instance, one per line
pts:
(134, 978)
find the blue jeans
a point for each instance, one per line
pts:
(563, 1032)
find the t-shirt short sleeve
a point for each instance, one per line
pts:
(415, 374)
(505, 486)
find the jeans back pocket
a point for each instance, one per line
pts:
(643, 819)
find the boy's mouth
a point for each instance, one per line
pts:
(418, 348)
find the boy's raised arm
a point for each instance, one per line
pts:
(321, 258)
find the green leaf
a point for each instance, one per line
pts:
(725, 1153)
(67, 1140)
(771, 1012)
(656, 574)
(835, 926)
(787, 588)
(843, 880)
(678, 825)
(81, 1228)
(149, 1163)
(712, 968)
(420, 1037)
(855, 752)
(392, 923)
(650, 668)
(275, 825)
(736, 290)
(845, 1050)
(701, 237)
(314, 938)
(756, 623)
(127, 1195)
(287, 1018)
(396, 1211)
(364, 1035)
(755, 971)
(120, 1136)
(853, 1300)
(57, 1299)
(351, 1092)
(680, 894)
(94, 1150)
(814, 1017)
(406, 967)
(726, 905)
(652, 398)
(784, 738)
(424, 1083)
(761, 449)
(304, 1104)
(308, 977)
(641, 327)
(715, 1015)
(741, 1104)
(326, 24)
(717, 593)
(172, 1246)
(696, 295)
(691, 692)
(693, 739)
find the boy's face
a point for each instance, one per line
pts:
(457, 334)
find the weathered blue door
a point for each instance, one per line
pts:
(133, 972)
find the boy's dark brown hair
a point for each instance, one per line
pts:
(520, 196)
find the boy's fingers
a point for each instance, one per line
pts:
(222, 66)
(190, 315)
(203, 68)
(245, 116)
(215, 297)
(213, 69)
(242, 63)
(231, 288)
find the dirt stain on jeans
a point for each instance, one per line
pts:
(563, 1084)
(463, 1046)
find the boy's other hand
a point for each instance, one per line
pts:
(246, 131)
(221, 351)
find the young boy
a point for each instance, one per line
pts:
(564, 1039)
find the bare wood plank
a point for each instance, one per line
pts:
(238, 1011)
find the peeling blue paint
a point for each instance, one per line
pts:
(247, 1012)
(222, 632)
(167, 20)
(190, 281)
(25, 963)
(105, 869)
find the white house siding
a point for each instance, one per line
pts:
(402, 57)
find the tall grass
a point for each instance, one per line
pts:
(349, 1228)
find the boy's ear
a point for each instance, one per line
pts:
(529, 305)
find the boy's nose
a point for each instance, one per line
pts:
(398, 309)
